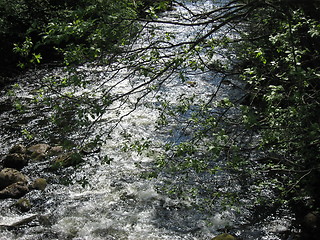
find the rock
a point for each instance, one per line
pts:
(15, 190)
(224, 236)
(23, 204)
(18, 149)
(67, 160)
(39, 184)
(15, 160)
(38, 151)
(191, 83)
(310, 221)
(310, 226)
(9, 176)
(55, 150)
(19, 222)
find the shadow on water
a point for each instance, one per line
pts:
(117, 199)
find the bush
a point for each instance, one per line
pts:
(34, 31)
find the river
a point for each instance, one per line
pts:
(110, 195)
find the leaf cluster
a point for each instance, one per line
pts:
(280, 65)
(34, 31)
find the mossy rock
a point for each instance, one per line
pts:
(15, 160)
(38, 151)
(224, 236)
(9, 176)
(67, 160)
(39, 184)
(15, 190)
(23, 204)
(19, 148)
(56, 150)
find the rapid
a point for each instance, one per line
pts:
(110, 194)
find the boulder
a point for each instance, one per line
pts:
(310, 221)
(19, 148)
(15, 160)
(55, 150)
(38, 151)
(67, 160)
(15, 190)
(39, 184)
(310, 226)
(224, 236)
(9, 176)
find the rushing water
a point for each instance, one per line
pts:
(112, 200)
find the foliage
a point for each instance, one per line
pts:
(283, 80)
(33, 31)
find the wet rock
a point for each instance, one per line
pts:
(6, 104)
(191, 83)
(15, 190)
(18, 149)
(39, 184)
(38, 151)
(9, 176)
(224, 236)
(21, 221)
(310, 221)
(67, 160)
(23, 205)
(15, 160)
(13, 184)
(55, 150)
(45, 220)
